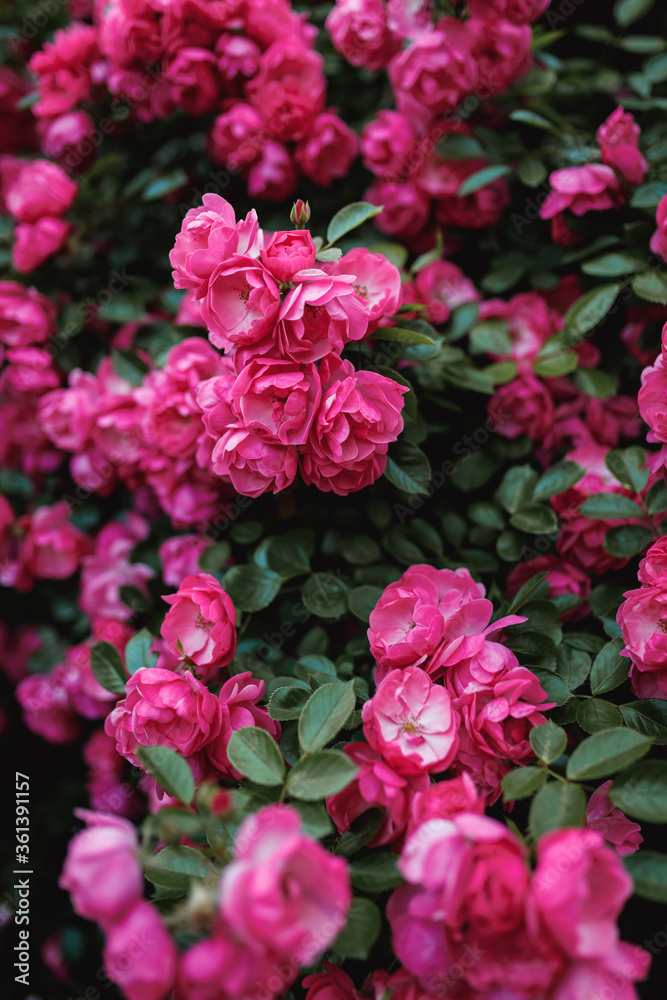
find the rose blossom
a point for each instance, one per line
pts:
(603, 817)
(36, 242)
(235, 137)
(193, 80)
(146, 972)
(252, 464)
(102, 872)
(653, 567)
(522, 406)
(40, 189)
(622, 965)
(238, 57)
(441, 286)
(591, 188)
(238, 703)
(359, 416)
(109, 568)
(327, 152)
(642, 616)
(201, 622)
(277, 400)
(514, 11)
(272, 174)
(659, 239)
(161, 708)
(502, 52)
(377, 282)
(618, 137)
(289, 89)
(70, 139)
(388, 144)
(46, 707)
(410, 723)
(377, 785)
(564, 580)
(26, 316)
(321, 313)
(445, 800)
(405, 208)
(52, 548)
(283, 890)
(222, 967)
(359, 31)
(241, 303)
(180, 557)
(287, 252)
(63, 69)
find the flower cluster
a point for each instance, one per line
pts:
(36, 194)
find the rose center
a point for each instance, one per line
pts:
(201, 622)
(662, 625)
(410, 725)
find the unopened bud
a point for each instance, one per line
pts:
(300, 214)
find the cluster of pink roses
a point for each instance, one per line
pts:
(643, 619)
(37, 194)
(286, 399)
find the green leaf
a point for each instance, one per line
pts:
(314, 819)
(609, 668)
(656, 498)
(537, 519)
(589, 310)
(349, 217)
(627, 540)
(594, 714)
(612, 265)
(555, 806)
(532, 172)
(647, 716)
(531, 118)
(362, 830)
(325, 714)
(430, 256)
(610, 506)
(501, 373)
(481, 178)
(170, 771)
(175, 867)
(626, 464)
(487, 515)
(461, 320)
(138, 652)
(129, 366)
(641, 792)
(252, 587)
(491, 337)
(325, 596)
(522, 782)
(516, 488)
(554, 686)
(408, 468)
(360, 550)
(542, 617)
(553, 361)
(287, 702)
(573, 665)
(377, 872)
(284, 555)
(548, 741)
(159, 187)
(651, 286)
(214, 557)
(362, 601)
(108, 668)
(628, 11)
(607, 752)
(649, 195)
(593, 382)
(648, 870)
(526, 592)
(402, 336)
(320, 775)
(361, 930)
(256, 755)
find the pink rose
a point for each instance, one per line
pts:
(283, 890)
(161, 708)
(41, 189)
(603, 817)
(289, 252)
(46, 706)
(389, 146)
(334, 984)
(442, 178)
(327, 152)
(241, 304)
(238, 702)
(530, 320)
(502, 52)
(109, 568)
(653, 567)
(442, 286)
(102, 872)
(377, 785)
(193, 80)
(252, 464)
(272, 174)
(140, 955)
(377, 282)
(591, 188)
(523, 406)
(618, 137)
(565, 580)
(277, 400)
(406, 209)
(210, 235)
(86, 695)
(63, 69)
(67, 416)
(26, 316)
(580, 887)
(514, 11)
(70, 139)
(659, 238)
(104, 781)
(201, 622)
(36, 242)
(220, 967)
(437, 69)
(235, 136)
(409, 721)
(359, 416)
(321, 313)
(180, 557)
(652, 397)
(289, 88)
(641, 617)
(238, 57)
(359, 31)
(445, 800)
(53, 548)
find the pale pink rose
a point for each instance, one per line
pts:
(659, 239)
(102, 872)
(238, 57)
(389, 146)
(272, 175)
(163, 709)
(284, 890)
(140, 955)
(565, 580)
(287, 252)
(359, 31)
(409, 721)
(26, 316)
(445, 800)
(53, 548)
(189, 311)
(320, 314)
(289, 89)
(36, 242)
(580, 887)
(437, 70)
(618, 137)
(618, 970)
(180, 557)
(41, 189)
(235, 136)
(523, 406)
(239, 697)
(241, 304)
(252, 464)
(530, 320)
(405, 208)
(201, 622)
(109, 568)
(193, 80)
(70, 139)
(221, 966)
(653, 567)
(603, 817)
(277, 400)
(377, 282)
(46, 707)
(514, 11)
(210, 235)
(328, 151)
(413, 615)
(377, 785)
(442, 286)
(591, 188)
(359, 416)
(63, 69)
